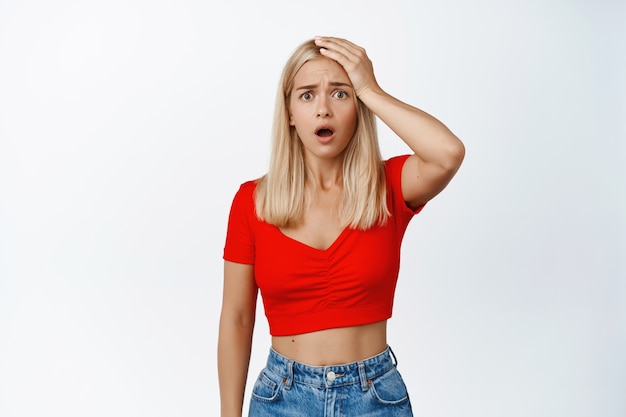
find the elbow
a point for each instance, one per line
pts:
(240, 321)
(455, 153)
(459, 153)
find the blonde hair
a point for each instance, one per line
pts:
(280, 194)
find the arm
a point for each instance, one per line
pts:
(235, 335)
(438, 153)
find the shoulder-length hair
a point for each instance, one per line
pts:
(280, 194)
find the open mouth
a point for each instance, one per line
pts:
(324, 132)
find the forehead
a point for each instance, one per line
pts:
(318, 70)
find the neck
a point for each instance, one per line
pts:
(324, 175)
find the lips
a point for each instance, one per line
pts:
(324, 131)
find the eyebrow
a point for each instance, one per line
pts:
(314, 86)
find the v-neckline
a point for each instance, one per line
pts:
(334, 243)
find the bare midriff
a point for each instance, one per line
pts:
(334, 346)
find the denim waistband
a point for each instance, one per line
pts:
(359, 372)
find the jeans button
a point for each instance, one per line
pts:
(331, 376)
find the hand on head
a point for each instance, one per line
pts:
(353, 59)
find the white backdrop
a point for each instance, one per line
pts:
(126, 126)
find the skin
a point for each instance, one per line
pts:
(438, 153)
(322, 97)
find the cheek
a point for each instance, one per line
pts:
(297, 116)
(349, 112)
(351, 119)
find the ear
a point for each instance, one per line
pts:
(291, 122)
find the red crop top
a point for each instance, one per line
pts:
(306, 289)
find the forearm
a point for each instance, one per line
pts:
(233, 351)
(427, 137)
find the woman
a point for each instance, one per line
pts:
(319, 235)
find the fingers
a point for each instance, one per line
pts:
(338, 43)
(341, 50)
(352, 58)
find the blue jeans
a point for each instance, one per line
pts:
(368, 388)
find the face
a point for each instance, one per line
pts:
(322, 108)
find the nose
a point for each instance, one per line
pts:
(323, 107)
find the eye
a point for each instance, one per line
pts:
(306, 96)
(340, 94)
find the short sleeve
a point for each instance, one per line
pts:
(240, 246)
(393, 171)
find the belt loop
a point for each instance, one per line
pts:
(289, 380)
(363, 376)
(393, 357)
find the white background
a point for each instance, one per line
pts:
(126, 127)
